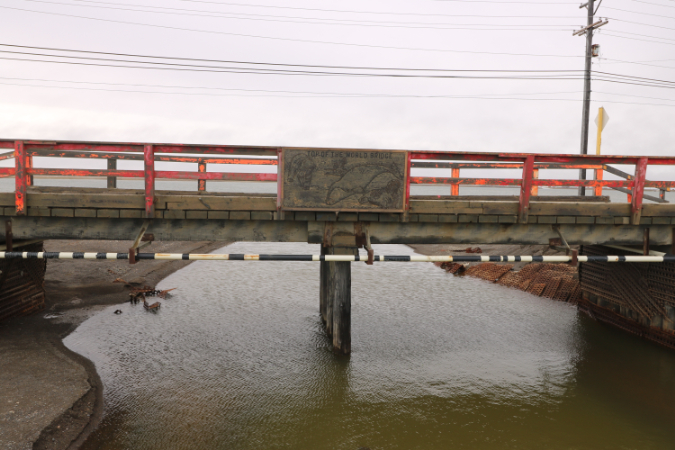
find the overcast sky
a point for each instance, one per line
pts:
(428, 34)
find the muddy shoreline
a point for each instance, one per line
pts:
(52, 398)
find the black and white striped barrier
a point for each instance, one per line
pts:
(334, 258)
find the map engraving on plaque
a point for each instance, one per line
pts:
(344, 180)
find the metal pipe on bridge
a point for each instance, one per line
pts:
(335, 258)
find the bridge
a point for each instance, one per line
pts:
(343, 199)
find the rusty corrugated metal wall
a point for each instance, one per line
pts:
(22, 284)
(637, 297)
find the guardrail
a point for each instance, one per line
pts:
(23, 153)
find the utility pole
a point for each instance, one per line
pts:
(586, 112)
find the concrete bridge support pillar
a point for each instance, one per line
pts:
(336, 301)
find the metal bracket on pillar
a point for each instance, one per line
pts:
(369, 249)
(556, 228)
(140, 237)
(568, 250)
(362, 236)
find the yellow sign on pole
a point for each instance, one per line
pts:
(601, 122)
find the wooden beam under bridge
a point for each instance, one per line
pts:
(313, 232)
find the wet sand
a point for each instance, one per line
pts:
(51, 397)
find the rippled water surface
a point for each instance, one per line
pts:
(237, 359)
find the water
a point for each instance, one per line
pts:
(237, 359)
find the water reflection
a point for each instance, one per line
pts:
(237, 359)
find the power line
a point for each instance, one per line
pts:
(633, 83)
(619, 61)
(637, 39)
(569, 78)
(637, 96)
(342, 11)
(643, 35)
(161, 86)
(261, 72)
(507, 2)
(279, 38)
(329, 22)
(651, 3)
(536, 74)
(330, 96)
(284, 96)
(643, 24)
(234, 14)
(635, 77)
(641, 13)
(255, 63)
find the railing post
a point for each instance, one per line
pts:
(526, 189)
(20, 178)
(201, 167)
(29, 165)
(149, 158)
(662, 194)
(599, 175)
(408, 170)
(535, 176)
(112, 180)
(280, 181)
(454, 187)
(638, 190)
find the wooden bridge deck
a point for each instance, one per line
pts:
(130, 204)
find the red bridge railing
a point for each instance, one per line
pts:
(23, 171)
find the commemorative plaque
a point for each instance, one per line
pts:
(343, 180)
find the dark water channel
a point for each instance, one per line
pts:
(237, 360)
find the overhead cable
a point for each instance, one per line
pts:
(209, 88)
(163, 86)
(643, 24)
(305, 20)
(341, 11)
(254, 36)
(641, 13)
(648, 3)
(267, 71)
(331, 96)
(642, 35)
(637, 39)
(620, 61)
(225, 61)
